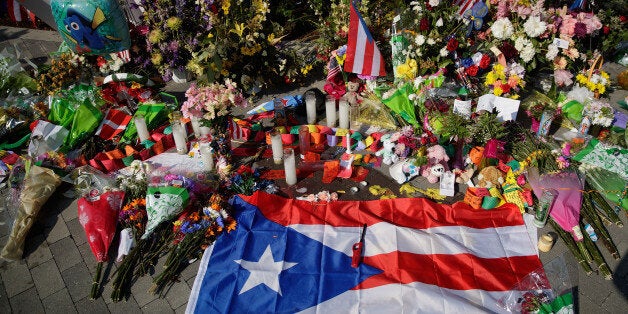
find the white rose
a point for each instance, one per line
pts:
(434, 3)
(439, 23)
(444, 52)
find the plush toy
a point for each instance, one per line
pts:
(353, 93)
(490, 177)
(387, 152)
(436, 163)
(404, 170)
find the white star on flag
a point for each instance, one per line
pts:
(265, 271)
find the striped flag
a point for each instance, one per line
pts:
(464, 5)
(114, 123)
(363, 56)
(289, 256)
(124, 55)
(19, 13)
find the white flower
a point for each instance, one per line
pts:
(502, 28)
(527, 53)
(552, 52)
(431, 41)
(439, 23)
(419, 40)
(434, 3)
(534, 27)
(444, 52)
(521, 42)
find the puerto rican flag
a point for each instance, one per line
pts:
(289, 256)
(19, 13)
(114, 123)
(363, 56)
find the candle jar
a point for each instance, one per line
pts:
(310, 107)
(290, 167)
(343, 114)
(142, 129)
(330, 111)
(196, 126)
(180, 137)
(277, 146)
(304, 140)
(207, 156)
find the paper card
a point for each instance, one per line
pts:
(447, 181)
(507, 108)
(485, 102)
(462, 108)
(561, 43)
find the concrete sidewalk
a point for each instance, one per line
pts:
(56, 273)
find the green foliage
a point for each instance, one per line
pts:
(487, 127)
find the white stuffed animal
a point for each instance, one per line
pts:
(388, 150)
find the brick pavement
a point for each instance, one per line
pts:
(56, 273)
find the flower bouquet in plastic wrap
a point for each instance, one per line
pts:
(545, 290)
(38, 185)
(98, 210)
(166, 197)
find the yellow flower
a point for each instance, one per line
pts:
(174, 23)
(497, 91)
(226, 4)
(490, 78)
(156, 58)
(155, 36)
(238, 29)
(306, 69)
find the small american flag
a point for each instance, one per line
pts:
(464, 5)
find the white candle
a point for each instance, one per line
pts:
(180, 137)
(196, 126)
(289, 165)
(348, 143)
(310, 107)
(142, 129)
(343, 114)
(207, 156)
(277, 147)
(330, 111)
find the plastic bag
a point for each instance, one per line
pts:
(39, 184)
(545, 290)
(375, 113)
(98, 215)
(162, 204)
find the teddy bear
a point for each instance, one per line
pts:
(490, 177)
(353, 93)
(387, 152)
(436, 163)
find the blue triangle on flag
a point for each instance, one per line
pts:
(309, 272)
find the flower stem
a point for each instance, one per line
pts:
(96, 284)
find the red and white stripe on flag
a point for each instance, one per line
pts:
(433, 257)
(464, 5)
(239, 129)
(124, 55)
(19, 13)
(114, 123)
(363, 56)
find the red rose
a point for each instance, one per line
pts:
(452, 44)
(623, 18)
(472, 70)
(485, 62)
(424, 24)
(606, 30)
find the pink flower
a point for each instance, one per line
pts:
(563, 77)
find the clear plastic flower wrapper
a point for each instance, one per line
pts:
(39, 184)
(545, 290)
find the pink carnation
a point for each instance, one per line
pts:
(563, 77)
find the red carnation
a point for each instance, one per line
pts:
(623, 18)
(472, 70)
(452, 44)
(606, 30)
(424, 24)
(509, 51)
(506, 88)
(485, 61)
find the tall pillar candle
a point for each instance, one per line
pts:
(180, 137)
(277, 146)
(343, 114)
(207, 156)
(142, 129)
(196, 126)
(348, 143)
(290, 166)
(330, 111)
(310, 107)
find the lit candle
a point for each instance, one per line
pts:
(142, 129)
(207, 156)
(196, 126)
(330, 111)
(304, 140)
(310, 107)
(180, 137)
(348, 143)
(277, 146)
(289, 165)
(343, 114)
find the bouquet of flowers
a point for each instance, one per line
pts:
(600, 112)
(212, 103)
(506, 81)
(597, 82)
